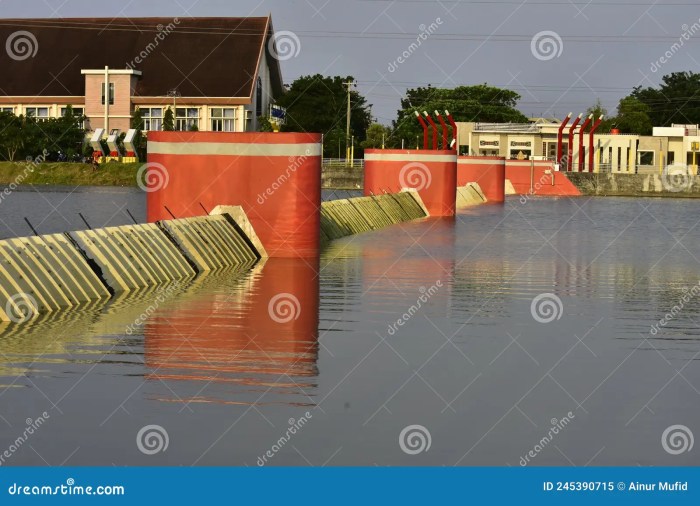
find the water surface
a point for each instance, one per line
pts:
(225, 376)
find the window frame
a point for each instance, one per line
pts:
(221, 122)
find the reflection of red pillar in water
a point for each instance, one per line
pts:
(275, 177)
(489, 172)
(432, 173)
(269, 330)
(426, 269)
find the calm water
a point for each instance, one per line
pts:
(471, 364)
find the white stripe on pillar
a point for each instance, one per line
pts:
(233, 149)
(408, 157)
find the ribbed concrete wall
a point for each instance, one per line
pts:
(133, 256)
(211, 242)
(470, 195)
(46, 273)
(341, 218)
(40, 274)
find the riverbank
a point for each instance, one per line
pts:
(636, 185)
(69, 174)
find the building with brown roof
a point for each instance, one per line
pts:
(218, 74)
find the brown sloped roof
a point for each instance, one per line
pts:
(200, 57)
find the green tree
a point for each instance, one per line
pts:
(480, 103)
(633, 117)
(677, 100)
(264, 124)
(319, 104)
(376, 135)
(137, 123)
(168, 120)
(11, 136)
(598, 110)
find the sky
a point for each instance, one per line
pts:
(559, 55)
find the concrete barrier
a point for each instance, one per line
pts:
(211, 242)
(341, 218)
(40, 274)
(241, 218)
(539, 178)
(470, 195)
(133, 256)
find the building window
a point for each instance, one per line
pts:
(11, 110)
(187, 118)
(259, 99)
(111, 93)
(223, 119)
(40, 113)
(645, 158)
(152, 118)
(248, 120)
(78, 112)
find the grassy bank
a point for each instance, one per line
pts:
(70, 174)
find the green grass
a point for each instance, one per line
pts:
(70, 174)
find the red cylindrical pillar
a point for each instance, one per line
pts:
(435, 129)
(275, 177)
(591, 140)
(424, 125)
(489, 172)
(432, 173)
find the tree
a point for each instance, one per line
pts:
(481, 103)
(11, 138)
(264, 124)
(168, 120)
(677, 100)
(139, 141)
(319, 104)
(598, 110)
(376, 136)
(633, 117)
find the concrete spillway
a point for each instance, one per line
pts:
(45, 273)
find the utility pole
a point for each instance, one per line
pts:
(347, 131)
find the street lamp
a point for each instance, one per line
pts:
(174, 94)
